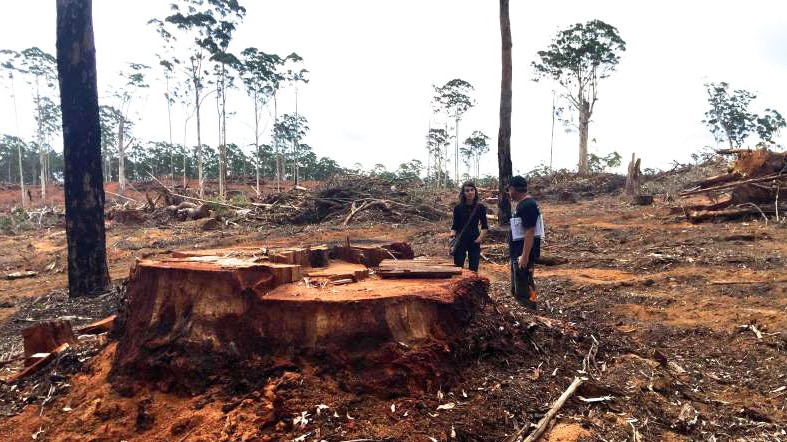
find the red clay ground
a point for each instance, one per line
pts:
(656, 311)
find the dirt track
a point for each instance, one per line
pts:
(669, 304)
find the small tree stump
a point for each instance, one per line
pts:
(47, 336)
(634, 177)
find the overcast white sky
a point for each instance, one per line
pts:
(373, 63)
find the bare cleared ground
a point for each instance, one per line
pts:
(662, 316)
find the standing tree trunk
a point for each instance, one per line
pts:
(456, 149)
(222, 148)
(171, 145)
(40, 141)
(88, 273)
(223, 172)
(21, 173)
(42, 164)
(199, 143)
(584, 122)
(18, 145)
(121, 156)
(257, 140)
(504, 135)
(276, 145)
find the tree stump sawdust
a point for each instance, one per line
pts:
(188, 319)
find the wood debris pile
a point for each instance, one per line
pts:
(563, 185)
(348, 199)
(751, 186)
(343, 201)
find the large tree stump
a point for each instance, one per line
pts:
(188, 319)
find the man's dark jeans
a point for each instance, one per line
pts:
(523, 286)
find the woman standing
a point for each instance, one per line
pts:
(465, 235)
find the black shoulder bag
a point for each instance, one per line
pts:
(453, 241)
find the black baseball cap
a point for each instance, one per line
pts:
(518, 182)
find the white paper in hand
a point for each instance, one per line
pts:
(539, 227)
(517, 229)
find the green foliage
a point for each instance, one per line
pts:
(259, 73)
(323, 169)
(454, 97)
(9, 159)
(581, 55)
(6, 225)
(288, 131)
(541, 170)
(597, 164)
(474, 147)
(39, 66)
(410, 171)
(730, 120)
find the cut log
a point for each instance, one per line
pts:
(96, 328)
(283, 273)
(40, 363)
(20, 275)
(47, 336)
(340, 270)
(319, 256)
(207, 224)
(370, 256)
(416, 269)
(696, 216)
(128, 216)
(551, 260)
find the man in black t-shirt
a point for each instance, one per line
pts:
(524, 243)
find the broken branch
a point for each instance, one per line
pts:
(544, 422)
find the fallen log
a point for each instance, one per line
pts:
(730, 185)
(20, 275)
(696, 216)
(40, 362)
(98, 327)
(194, 198)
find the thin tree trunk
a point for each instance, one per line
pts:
(88, 273)
(40, 140)
(171, 146)
(222, 147)
(121, 156)
(257, 139)
(456, 150)
(21, 174)
(584, 122)
(224, 126)
(276, 144)
(19, 144)
(504, 134)
(185, 151)
(199, 143)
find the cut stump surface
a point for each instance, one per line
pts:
(186, 315)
